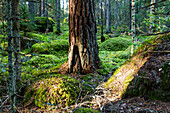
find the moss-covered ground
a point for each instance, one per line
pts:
(44, 53)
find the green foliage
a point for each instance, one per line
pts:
(115, 44)
(159, 23)
(54, 47)
(86, 110)
(58, 90)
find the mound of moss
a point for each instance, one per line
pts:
(115, 44)
(40, 24)
(59, 90)
(146, 73)
(44, 61)
(85, 110)
(53, 47)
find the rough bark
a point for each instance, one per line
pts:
(83, 51)
(16, 40)
(10, 57)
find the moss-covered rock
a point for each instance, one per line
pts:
(53, 47)
(60, 90)
(115, 44)
(40, 24)
(85, 110)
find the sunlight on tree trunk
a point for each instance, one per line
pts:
(152, 10)
(133, 27)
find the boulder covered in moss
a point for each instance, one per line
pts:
(59, 90)
(115, 44)
(51, 47)
(39, 24)
(147, 73)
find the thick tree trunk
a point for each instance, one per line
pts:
(108, 22)
(83, 51)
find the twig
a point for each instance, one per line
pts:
(159, 51)
(4, 102)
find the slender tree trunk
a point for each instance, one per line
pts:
(10, 57)
(108, 24)
(58, 14)
(83, 51)
(47, 17)
(102, 37)
(16, 39)
(133, 26)
(152, 10)
(63, 9)
(40, 5)
(130, 14)
(43, 7)
(31, 10)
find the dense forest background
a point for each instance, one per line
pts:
(84, 56)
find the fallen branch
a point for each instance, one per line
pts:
(156, 33)
(4, 102)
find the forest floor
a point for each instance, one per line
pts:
(102, 99)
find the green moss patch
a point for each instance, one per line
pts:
(40, 24)
(85, 110)
(115, 44)
(59, 90)
(53, 47)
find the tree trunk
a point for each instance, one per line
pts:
(108, 24)
(133, 26)
(10, 56)
(43, 4)
(47, 17)
(16, 40)
(152, 10)
(58, 14)
(40, 5)
(130, 13)
(102, 37)
(83, 51)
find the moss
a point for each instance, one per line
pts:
(86, 110)
(65, 35)
(53, 47)
(40, 24)
(58, 90)
(115, 44)
(143, 83)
